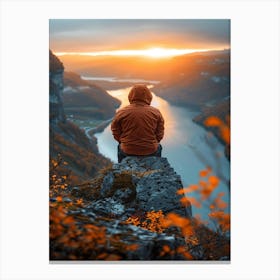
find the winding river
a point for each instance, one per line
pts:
(187, 146)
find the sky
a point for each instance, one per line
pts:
(96, 35)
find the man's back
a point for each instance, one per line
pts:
(139, 127)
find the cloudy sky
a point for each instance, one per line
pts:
(75, 35)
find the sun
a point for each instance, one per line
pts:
(161, 52)
(157, 52)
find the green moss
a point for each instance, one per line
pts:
(123, 181)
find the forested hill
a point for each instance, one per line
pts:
(86, 100)
(197, 80)
(71, 150)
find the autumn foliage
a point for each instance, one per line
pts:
(74, 236)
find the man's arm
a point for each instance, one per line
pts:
(116, 128)
(160, 128)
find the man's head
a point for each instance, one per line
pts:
(140, 93)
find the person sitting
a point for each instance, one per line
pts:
(138, 127)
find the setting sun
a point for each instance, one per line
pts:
(152, 52)
(160, 52)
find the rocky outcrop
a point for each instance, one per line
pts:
(56, 69)
(68, 143)
(136, 185)
(121, 215)
(141, 184)
(132, 188)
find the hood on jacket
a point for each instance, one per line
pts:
(140, 93)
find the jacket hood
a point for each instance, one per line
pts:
(140, 93)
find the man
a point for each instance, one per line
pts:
(138, 127)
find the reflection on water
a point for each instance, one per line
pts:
(184, 144)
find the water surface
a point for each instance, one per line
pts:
(185, 144)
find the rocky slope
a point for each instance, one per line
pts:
(145, 184)
(130, 211)
(56, 86)
(68, 143)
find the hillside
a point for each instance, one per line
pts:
(71, 152)
(197, 80)
(221, 111)
(122, 67)
(84, 101)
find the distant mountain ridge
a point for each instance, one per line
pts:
(197, 80)
(193, 79)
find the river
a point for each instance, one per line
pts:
(184, 145)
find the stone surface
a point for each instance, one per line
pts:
(146, 183)
(55, 89)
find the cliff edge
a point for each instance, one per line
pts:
(124, 206)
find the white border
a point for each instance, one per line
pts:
(255, 138)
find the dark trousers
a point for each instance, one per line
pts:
(122, 154)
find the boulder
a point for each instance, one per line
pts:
(146, 184)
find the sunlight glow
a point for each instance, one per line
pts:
(152, 52)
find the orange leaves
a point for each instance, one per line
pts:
(54, 163)
(224, 129)
(204, 189)
(218, 202)
(113, 257)
(194, 202)
(213, 181)
(225, 134)
(133, 220)
(166, 248)
(223, 220)
(153, 221)
(79, 201)
(181, 250)
(208, 187)
(204, 173)
(184, 201)
(189, 189)
(173, 219)
(204, 195)
(59, 198)
(213, 121)
(108, 257)
(68, 220)
(132, 247)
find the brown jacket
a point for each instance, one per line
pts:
(139, 127)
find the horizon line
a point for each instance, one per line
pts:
(151, 52)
